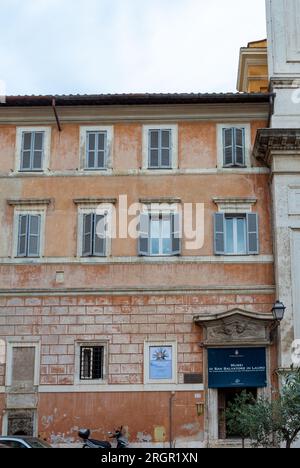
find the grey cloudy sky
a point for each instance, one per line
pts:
(108, 46)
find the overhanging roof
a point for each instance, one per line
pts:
(135, 99)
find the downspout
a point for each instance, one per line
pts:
(171, 400)
(56, 115)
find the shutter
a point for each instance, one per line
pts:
(87, 235)
(228, 134)
(252, 231)
(100, 233)
(34, 228)
(239, 146)
(22, 237)
(165, 148)
(176, 233)
(219, 233)
(26, 151)
(38, 149)
(144, 228)
(91, 150)
(154, 137)
(101, 150)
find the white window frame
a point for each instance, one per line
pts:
(150, 344)
(29, 210)
(102, 209)
(174, 146)
(159, 215)
(11, 344)
(47, 148)
(84, 130)
(235, 237)
(158, 209)
(78, 346)
(220, 146)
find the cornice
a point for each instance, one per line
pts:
(95, 201)
(273, 140)
(29, 202)
(113, 114)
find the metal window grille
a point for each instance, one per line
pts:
(91, 362)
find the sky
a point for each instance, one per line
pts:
(123, 46)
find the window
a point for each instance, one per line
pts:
(234, 147)
(91, 362)
(160, 363)
(96, 158)
(29, 235)
(236, 234)
(96, 143)
(160, 147)
(32, 151)
(160, 151)
(94, 235)
(159, 234)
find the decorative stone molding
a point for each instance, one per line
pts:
(269, 140)
(29, 202)
(236, 328)
(161, 200)
(95, 201)
(235, 205)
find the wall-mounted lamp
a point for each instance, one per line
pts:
(278, 311)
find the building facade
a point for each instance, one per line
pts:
(100, 327)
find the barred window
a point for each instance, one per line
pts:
(91, 362)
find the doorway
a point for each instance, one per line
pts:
(225, 397)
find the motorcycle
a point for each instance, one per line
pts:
(122, 442)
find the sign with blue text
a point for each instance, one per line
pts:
(161, 363)
(237, 368)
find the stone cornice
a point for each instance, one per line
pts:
(271, 140)
(95, 201)
(29, 202)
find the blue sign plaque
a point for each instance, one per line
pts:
(161, 363)
(237, 368)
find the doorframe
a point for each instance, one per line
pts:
(211, 425)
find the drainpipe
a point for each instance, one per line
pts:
(171, 401)
(56, 115)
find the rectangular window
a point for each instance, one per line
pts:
(96, 147)
(160, 149)
(94, 238)
(29, 235)
(159, 234)
(234, 147)
(32, 151)
(236, 234)
(91, 362)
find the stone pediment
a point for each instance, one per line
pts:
(235, 327)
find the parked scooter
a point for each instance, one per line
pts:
(122, 442)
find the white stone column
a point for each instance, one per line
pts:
(283, 25)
